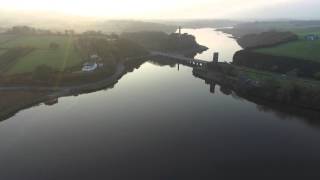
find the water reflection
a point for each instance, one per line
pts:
(156, 123)
(216, 42)
(282, 112)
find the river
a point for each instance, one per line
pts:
(159, 122)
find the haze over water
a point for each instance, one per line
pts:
(216, 41)
(158, 123)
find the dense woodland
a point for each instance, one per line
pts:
(111, 51)
(163, 42)
(283, 65)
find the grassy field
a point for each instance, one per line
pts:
(4, 38)
(2, 51)
(302, 49)
(63, 57)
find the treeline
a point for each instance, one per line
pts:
(289, 93)
(277, 64)
(266, 39)
(26, 30)
(268, 88)
(121, 26)
(242, 29)
(161, 41)
(111, 51)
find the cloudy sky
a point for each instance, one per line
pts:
(163, 9)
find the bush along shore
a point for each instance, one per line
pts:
(265, 86)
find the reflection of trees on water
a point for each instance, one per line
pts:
(286, 113)
(159, 61)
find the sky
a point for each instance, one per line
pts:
(171, 9)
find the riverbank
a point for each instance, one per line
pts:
(32, 96)
(264, 86)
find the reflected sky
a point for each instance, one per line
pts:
(157, 122)
(216, 42)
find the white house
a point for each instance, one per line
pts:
(93, 63)
(89, 66)
(311, 37)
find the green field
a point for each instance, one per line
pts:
(2, 51)
(302, 49)
(63, 57)
(4, 38)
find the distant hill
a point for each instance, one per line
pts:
(257, 27)
(266, 39)
(202, 23)
(120, 26)
(161, 41)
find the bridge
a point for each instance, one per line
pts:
(181, 59)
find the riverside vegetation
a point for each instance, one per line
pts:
(275, 66)
(51, 62)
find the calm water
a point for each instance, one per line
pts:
(158, 123)
(216, 42)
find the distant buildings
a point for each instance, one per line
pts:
(311, 37)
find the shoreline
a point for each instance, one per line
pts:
(250, 89)
(51, 93)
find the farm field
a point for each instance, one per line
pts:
(2, 51)
(301, 49)
(63, 57)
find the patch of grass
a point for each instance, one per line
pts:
(36, 41)
(2, 51)
(5, 38)
(57, 59)
(301, 49)
(65, 56)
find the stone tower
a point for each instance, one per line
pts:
(215, 57)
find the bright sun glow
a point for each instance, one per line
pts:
(142, 8)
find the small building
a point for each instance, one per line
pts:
(93, 63)
(89, 66)
(311, 37)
